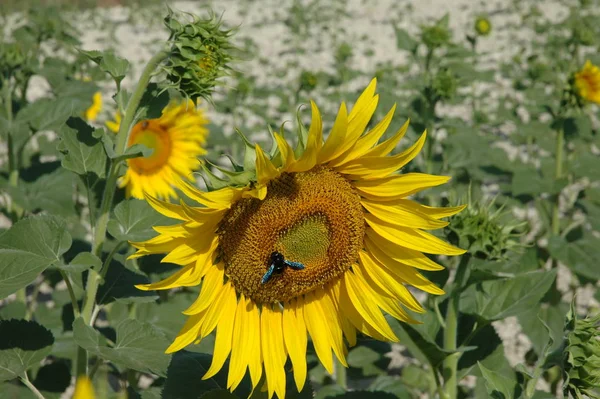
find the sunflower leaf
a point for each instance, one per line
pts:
(83, 153)
(139, 346)
(499, 386)
(133, 220)
(81, 262)
(28, 248)
(504, 297)
(110, 63)
(119, 285)
(23, 344)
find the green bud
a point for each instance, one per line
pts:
(583, 34)
(308, 80)
(343, 53)
(481, 229)
(200, 54)
(582, 356)
(445, 84)
(483, 26)
(435, 36)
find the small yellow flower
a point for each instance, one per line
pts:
(92, 112)
(177, 139)
(84, 389)
(319, 245)
(587, 82)
(483, 26)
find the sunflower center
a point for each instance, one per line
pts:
(152, 135)
(312, 218)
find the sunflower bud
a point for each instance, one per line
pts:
(582, 356)
(586, 83)
(480, 230)
(436, 35)
(200, 54)
(483, 26)
(445, 84)
(308, 81)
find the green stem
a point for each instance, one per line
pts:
(340, 374)
(71, 293)
(558, 172)
(109, 258)
(25, 380)
(450, 344)
(94, 278)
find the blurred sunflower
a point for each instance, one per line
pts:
(91, 114)
(84, 389)
(587, 82)
(320, 242)
(177, 139)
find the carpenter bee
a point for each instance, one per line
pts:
(278, 264)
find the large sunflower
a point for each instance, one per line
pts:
(177, 139)
(320, 243)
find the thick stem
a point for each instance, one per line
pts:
(340, 374)
(450, 344)
(558, 172)
(28, 384)
(94, 278)
(71, 293)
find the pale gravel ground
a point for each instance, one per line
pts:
(372, 20)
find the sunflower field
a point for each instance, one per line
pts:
(299, 199)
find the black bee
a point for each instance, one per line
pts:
(278, 264)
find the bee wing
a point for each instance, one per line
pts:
(294, 265)
(268, 274)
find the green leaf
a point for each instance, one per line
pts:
(498, 385)
(544, 323)
(110, 63)
(184, 376)
(28, 248)
(50, 114)
(586, 165)
(81, 262)
(390, 384)
(83, 152)
(580, 126)
(139, 346)
(51, 192)
(23, 344)
(119, 285)
(154, 100)
(218, 394)
(579, 255)
(419, 339)
(365, 358)
(501, 298)
(529, 181)
(404, 40)
(133, 220)
(365, 395)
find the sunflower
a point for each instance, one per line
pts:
(91, 114)
(321, 242)
(587, 82)
(177, 139)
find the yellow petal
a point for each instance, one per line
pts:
(166, 208)
(398, 186)
(432, 211)
(388, 283)
(273, 349)
(401, 254)
(370, 167)
(224, 335)
(364, 99)
(218, 199)
(357, 123)
(187, 334)
(238, 362)
(211, 285)
(314, 319)
(294, 333)
(265, 170)
(364, 304)
(254, 346)
(366, 142)
(383, 149)
(412, 238)
(399, 214)
(347, 327)
(313, 145)
(336, 137)
(379, 259)
(287, 153)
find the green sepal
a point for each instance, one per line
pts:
(212, 181)
(249, 152)
(238, 178)
(302, 135)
